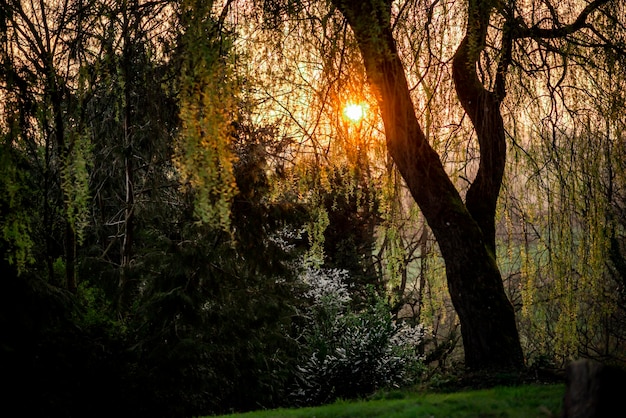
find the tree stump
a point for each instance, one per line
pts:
(593, 389)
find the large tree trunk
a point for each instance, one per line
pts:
(465, 232)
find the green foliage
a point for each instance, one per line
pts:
(75, 183)
(395, 255)
(211, 326)
(204, 155)
(205, 159)
(15, 221)
(315, 231)
(210, 335)
(16, 231)
(96, 310)
(352, 206)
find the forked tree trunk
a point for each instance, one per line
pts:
(465, 232)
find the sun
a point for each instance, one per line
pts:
(354, 112)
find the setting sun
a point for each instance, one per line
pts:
(354, 112)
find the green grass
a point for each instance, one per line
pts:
(525, 401)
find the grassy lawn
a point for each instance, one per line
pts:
(526, 401)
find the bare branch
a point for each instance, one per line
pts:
(560, 31)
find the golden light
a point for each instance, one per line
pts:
(354, 112)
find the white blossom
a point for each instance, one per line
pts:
(325, 283)
(406, 335)
(284, 238)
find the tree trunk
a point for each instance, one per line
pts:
(465, 233)
(125, 286)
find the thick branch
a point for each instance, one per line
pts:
(483, 108)
(560, 31)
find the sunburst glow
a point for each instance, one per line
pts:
(354, 112)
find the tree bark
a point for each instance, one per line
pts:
(465, 232)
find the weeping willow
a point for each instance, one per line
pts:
(75, 182)
(15, 222)
(562, 202)
(204, 156)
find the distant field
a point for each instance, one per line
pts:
(526, 401)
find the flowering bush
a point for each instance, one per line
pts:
(326, 285)
(352, 354)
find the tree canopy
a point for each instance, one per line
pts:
(235, 204)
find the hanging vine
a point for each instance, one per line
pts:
(204, 156)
